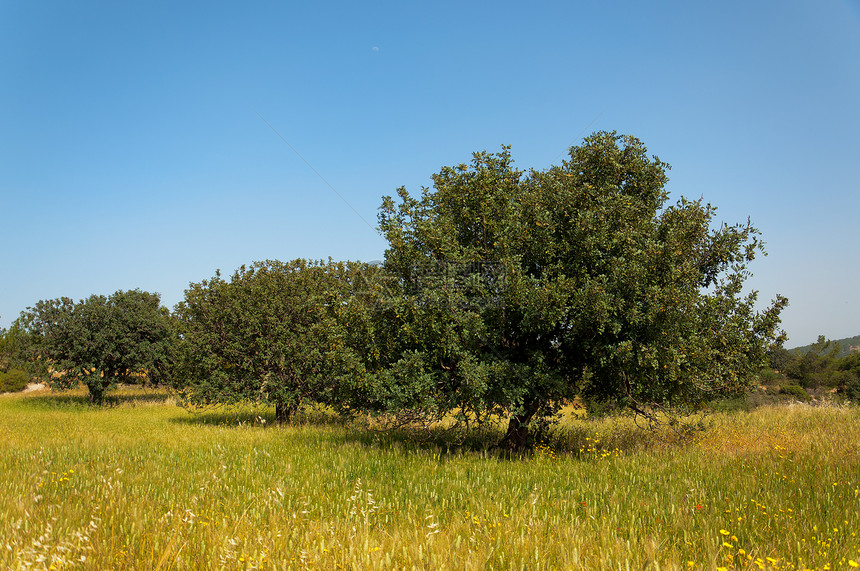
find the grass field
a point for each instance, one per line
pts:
(145, 484)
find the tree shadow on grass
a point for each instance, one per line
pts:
(579, 439)
(264, 417)
(439, 442)
(584, 440)
(350, 431)
(81, 400)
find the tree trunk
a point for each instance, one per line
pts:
(284, 412)
(517, 437)
(97, 392)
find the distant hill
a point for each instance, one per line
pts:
(845, 344)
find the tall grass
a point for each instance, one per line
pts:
(144, 484)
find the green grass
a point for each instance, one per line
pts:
(144, 484)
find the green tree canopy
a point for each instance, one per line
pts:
(13, 348)
(100, 340)
(269, 334)
(817, 365)
(519, 290)
(16, 369)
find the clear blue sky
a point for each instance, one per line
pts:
(132, 154)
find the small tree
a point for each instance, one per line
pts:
(849, 370)
(270, 334)
(816, 367)
(520, 290)
(100, 340)
(16, 370)
(14, 344)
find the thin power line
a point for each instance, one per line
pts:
(322, 178)
(579, 136)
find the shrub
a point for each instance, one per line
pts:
(795, 391)
(851, 389)
(13, 381)
(769, 377)
(733, 404)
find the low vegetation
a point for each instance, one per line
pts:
(13, 380)
(144, 484)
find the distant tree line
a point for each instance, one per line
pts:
(847, 346)
(824, 365)
(504, 293)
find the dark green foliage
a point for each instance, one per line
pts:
(520, 290)
(815, 368)
(780, 358)
(15, 345)
(270, 334)
(101, 340)
(849, 371)
(795, 391)
(13, 380)
(824, 365)
(769, 377)
(747, 402)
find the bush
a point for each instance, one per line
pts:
(13, 381)
(795, 391)
(851, 389)
(768, 396)
(769, 377)
(771, 380)
(733, 404)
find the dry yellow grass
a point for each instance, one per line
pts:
(146, 485)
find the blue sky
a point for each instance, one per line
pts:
(133, 154)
